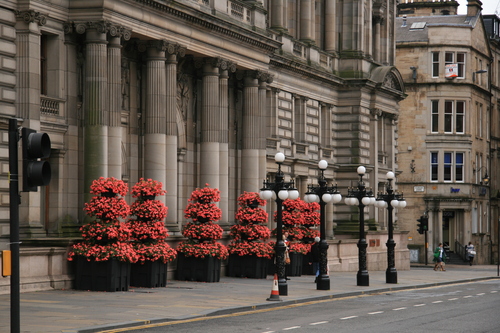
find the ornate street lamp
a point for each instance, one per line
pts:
(282, 190)
(390, 200)
(323, 194)
(361, 197)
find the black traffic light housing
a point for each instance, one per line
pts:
(36, 172)
(423, 224)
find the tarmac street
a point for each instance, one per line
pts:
(87, 311)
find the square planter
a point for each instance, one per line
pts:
(198, 269)
(150, 274)
(247, 266)
(110, 275)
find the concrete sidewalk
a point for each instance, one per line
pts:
(87, 311)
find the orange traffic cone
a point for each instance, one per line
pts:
(275, 294)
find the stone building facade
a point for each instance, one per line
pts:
(197, 92)
(447, 126)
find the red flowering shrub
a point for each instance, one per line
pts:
(249, 235)
(201, 231)
(147, 187)
(105, 237)
(298, 219)
(148, 230)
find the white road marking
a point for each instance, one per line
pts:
(494, 291)
(481, 294)
(348, 317)
(468, 296)
(437, 302)
(377, 312)
(291, 328)
(419, 304)
(453, 299)
(319, 323)
(397, 309)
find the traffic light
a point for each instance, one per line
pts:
(36, 146)
(423, 224)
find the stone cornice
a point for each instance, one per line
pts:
(216, 25)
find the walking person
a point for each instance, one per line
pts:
(287, 255)
(439, 257)
(315, 257)
(471, 252)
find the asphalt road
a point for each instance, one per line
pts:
(469, 307)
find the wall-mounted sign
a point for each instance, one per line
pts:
(454, 190)
(451, 71)
(418, 188)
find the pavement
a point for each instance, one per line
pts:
(72, 311)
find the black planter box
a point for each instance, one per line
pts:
(295, 266)
(151, 274)
(247, 266)
(110, 275)
(198, 269)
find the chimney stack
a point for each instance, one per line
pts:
(474, 7)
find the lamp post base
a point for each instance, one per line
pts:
(323, 282)
(363, 279)
(282, 287)
(391, 275)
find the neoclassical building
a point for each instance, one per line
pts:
(197, 92)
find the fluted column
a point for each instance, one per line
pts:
(156, 110)
(262, 112)
(210, 124)
(96, 118)
(252, 141)
(225, 69)
(115, 103)
(330, 26)
(171, 165)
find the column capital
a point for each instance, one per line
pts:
(216, 62)
(31, 16)
(104, 27)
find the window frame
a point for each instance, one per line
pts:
(435, 64)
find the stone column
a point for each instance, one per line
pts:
(96, 118)
(210, 124)
(330, 25)
(277, 13)
(156, 113)
(264, 79)
(225, 69)
(171, 164)
(376, 39)
(115, 103)
(251, 142)
(307, 19)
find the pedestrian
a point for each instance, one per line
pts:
(439, 257)
(471, 252)
(315, 257)
(287, 255)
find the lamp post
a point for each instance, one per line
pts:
(283, 190)
(390, 200)
(323, 194)
(361, 197)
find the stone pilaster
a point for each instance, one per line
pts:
(264, 78)
(155, 125)
(115, 103)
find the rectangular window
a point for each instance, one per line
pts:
(459, 167)
(435, 116)
(434, 167)
(461, 64)
(449, 58)
(460, 117)
(447, 167)
(435, 64)
(448, 117)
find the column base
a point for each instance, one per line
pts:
(391, 275)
